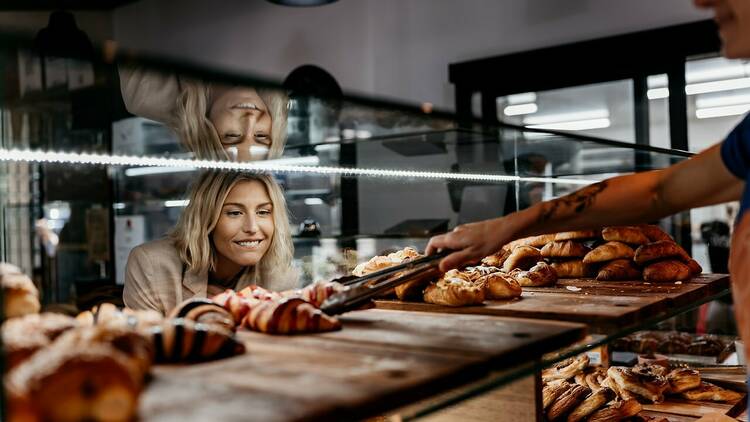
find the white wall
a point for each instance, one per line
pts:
(389, 48)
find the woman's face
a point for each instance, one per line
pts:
(733, 18)
(245, 227)
(243, 122)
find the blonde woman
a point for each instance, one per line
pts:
(233, 233)
(214, 121)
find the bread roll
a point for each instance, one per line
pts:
(577, 235)
(660, 250)
(619, 269)
(565, 249)
(523, 257)
(666, 271)
(574, 268)
(626, 234)
(608, 252)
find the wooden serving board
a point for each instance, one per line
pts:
(379, 361)
(602, 305)
(695, 409)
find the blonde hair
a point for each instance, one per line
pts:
(192, 234)
(200, 136)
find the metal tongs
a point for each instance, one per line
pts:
(361, 290)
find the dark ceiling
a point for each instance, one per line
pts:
(62, 4)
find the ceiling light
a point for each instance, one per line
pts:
(723, 100)
(566, 117)
(519, 109)
(177, 203)
(733, 110)
(716, 86)
(525, 97)
(313, 201)
(146, 171)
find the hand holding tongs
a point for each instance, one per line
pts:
(362, 289)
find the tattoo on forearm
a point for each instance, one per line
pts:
(577, 201)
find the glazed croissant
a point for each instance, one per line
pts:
(288, 316)
(182, 340)
(204, 311)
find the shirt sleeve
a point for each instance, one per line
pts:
(735, 150)
(137, 293)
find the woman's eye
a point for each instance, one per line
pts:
(263, 139)
(264, 212)
(234, 213)
(231, 138)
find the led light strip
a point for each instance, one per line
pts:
(262, 166)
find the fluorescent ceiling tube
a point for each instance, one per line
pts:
(525, 97)
(574, 125)
(733, 110)
(716, 86)
(566, 117)
(723, 100)
(519, 109)
(656, 93)
(177, 203)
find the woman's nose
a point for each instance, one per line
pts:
(251, 224)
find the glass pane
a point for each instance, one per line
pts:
(604, 110)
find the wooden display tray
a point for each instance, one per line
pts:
(601, 305)
(677, 409)
(379, 361)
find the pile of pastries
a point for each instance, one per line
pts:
(613, 253)
(574, 391)
(673, 342)
(462, 287)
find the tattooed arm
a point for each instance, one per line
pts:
(699, 181)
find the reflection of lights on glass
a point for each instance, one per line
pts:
(54, 213)
(274, 166)
(177, 203)
(348, 133)
(232, 152)
(118, 206)
(313, 201)
(145, 171)
(426, 108)
(258, 152)
(519, 109)
(732, 110)
(364, 134)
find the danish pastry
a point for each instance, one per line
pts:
(683, 379)
(380, 262)
(565, 369)
(591, 404)
(498, 285)
(541, 274)
(618, 411)
(454, 289)
(643, 383)
(710, 392)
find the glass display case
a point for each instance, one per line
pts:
(98, 155)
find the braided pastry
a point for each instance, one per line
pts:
(553, 390)
(204, 311)
(454, 289)
(182, 340)
(591, 404)
(567, 401)
(288, 316)
(618, 411)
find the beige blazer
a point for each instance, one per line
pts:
(156, 278)
(150, 94)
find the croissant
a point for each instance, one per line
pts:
(24, 336)
(619, 269)
(535, 241)
(289, 316)
(497, 259)
(565, 249)
(654, 233)
(60, 383)
(573, 268)
(608, 252)
(204, 311)
(660, 250)
(454, 289)
(380, 262)
(619, 410)
(317, 293)
(625, 234)
(666, 271)
(256, 292)
(238, 306)
(695, 267)
(523, 257)
(110, 315)
(577, 235)
(182, 340)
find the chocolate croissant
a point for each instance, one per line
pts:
(288, 316)
(238, 306)
(204, 311)
(182, 340)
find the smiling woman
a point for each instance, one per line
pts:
(233, 233)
